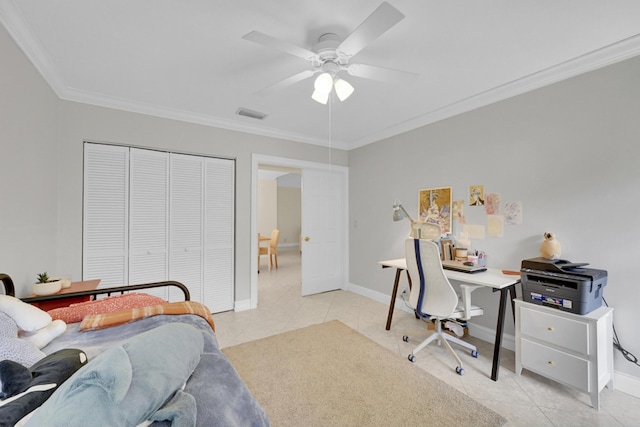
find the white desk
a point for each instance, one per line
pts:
(492, 278)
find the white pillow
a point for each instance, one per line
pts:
(28, 317)
(44, 336)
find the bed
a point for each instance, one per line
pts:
(161, 347)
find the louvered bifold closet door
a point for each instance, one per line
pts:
(105, 216)
(219, 234)
(185, 227)
(149, 218)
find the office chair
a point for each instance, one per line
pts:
(433, 297)
(271, 249)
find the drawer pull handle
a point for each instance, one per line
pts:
(550, 328)
(550, 362)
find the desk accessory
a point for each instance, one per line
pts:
(419, 229)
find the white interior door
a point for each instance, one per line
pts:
(323, 230)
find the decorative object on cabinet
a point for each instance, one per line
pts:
(569, 348)
(550, 247)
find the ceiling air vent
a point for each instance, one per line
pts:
(250, 113)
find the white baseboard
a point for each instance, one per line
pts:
(623, 382)
(627, 384)
(371, 294)
(242, 305)
(477, 331)
(289, 245)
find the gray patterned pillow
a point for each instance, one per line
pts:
(14, 348)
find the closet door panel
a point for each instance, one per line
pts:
(149, 218)
(185, 225)
(218, 289)
(105, 217)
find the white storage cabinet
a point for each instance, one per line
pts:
(572, 349)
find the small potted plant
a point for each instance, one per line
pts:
(46, 285)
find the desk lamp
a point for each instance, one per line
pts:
(419, 229)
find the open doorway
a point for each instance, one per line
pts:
(324, 223)
(279, 207)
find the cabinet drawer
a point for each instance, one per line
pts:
(556, 330)
(556, 364)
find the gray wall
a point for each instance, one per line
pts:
(41, 177)
(28, 168)
(569, 152)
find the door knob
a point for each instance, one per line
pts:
(306, 239)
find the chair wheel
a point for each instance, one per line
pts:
(412, 358)
(459, 370)
(474, 353)
(405, 338)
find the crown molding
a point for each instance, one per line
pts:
(600, 58)
(108, 101)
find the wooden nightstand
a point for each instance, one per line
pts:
(65, 297)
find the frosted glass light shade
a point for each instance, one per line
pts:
(323, 83)
(321, 97)
(343, 89)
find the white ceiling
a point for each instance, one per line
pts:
(187, 59)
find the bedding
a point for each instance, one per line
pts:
(76, 312)
(213, 387)
(13, 348)
(222, 399)
(128, 383)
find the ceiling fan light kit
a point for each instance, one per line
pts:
(323, 85)
(331, 56)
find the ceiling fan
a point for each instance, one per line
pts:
(331, 56)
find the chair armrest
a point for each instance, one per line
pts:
(466, 299)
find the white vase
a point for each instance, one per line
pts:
(49, 288)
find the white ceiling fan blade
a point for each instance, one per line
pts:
(380, 20)
(381, 74)
(281, 45)
(286, 82)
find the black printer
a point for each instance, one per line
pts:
(561, 284)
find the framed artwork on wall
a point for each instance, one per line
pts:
(434, 206)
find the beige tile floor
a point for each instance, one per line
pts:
(526, 400)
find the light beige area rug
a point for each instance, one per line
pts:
(330, 375)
